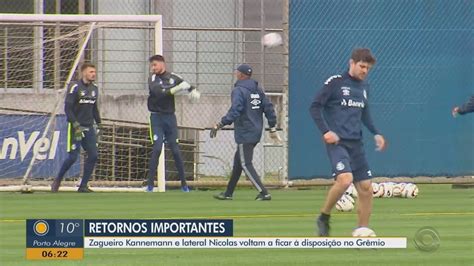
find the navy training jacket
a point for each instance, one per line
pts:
(249, 103)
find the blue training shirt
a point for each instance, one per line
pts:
(342, 106)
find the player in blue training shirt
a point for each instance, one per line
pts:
(339, 110)
(163, 86)
(249, 103)
(465, 108)
(81, 111)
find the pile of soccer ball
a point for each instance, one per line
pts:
(390, 189)
(381, 190)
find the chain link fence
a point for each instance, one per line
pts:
(203, 41)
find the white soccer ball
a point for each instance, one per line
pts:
(387, 189)
(410, 191)
(26, 188)
(397, 189)
(378, 190)
(352, 191)
(345, 203)
(363, 232)
(272, 40)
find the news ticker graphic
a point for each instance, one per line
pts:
(66, 238)
(246, 242)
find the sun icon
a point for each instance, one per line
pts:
(41, 228)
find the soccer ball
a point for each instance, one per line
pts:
(397, 189)
(26, 189)
(363, 232)
(345, 203)
(272, 40)
(378, 190)
(410, 191)
(387, 189)
(351, 191)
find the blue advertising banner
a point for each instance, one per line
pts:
(20, 136)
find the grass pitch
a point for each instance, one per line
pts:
(290, 213)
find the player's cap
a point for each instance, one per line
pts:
(245, 69)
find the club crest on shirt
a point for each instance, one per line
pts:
(365, 94)
(340, 166)
(346, 91)
(93, 93)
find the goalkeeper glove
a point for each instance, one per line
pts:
(77, 131)
(98, 130)
(214, 130)
(274, 135)
(194, 94)
(181, 87)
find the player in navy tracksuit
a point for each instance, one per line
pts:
(249, 103)
(339, 110)
(81, 112)
(465, 108)
(163, 86)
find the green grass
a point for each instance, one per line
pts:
(291, 213)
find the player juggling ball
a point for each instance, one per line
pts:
(339, 110)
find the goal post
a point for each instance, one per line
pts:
(40, 55)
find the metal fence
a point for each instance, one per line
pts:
(203, 41)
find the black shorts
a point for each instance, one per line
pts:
(348, 156)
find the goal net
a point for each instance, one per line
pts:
(39, 57)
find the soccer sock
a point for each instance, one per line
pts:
(88, 168)
(178, 162)
(153, 163)
(63, 171)
(72, 157)
(324, 217)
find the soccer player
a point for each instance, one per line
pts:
(249, 103)
(163, 86)
(465, 108)
(81, 112)
(339, 110)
